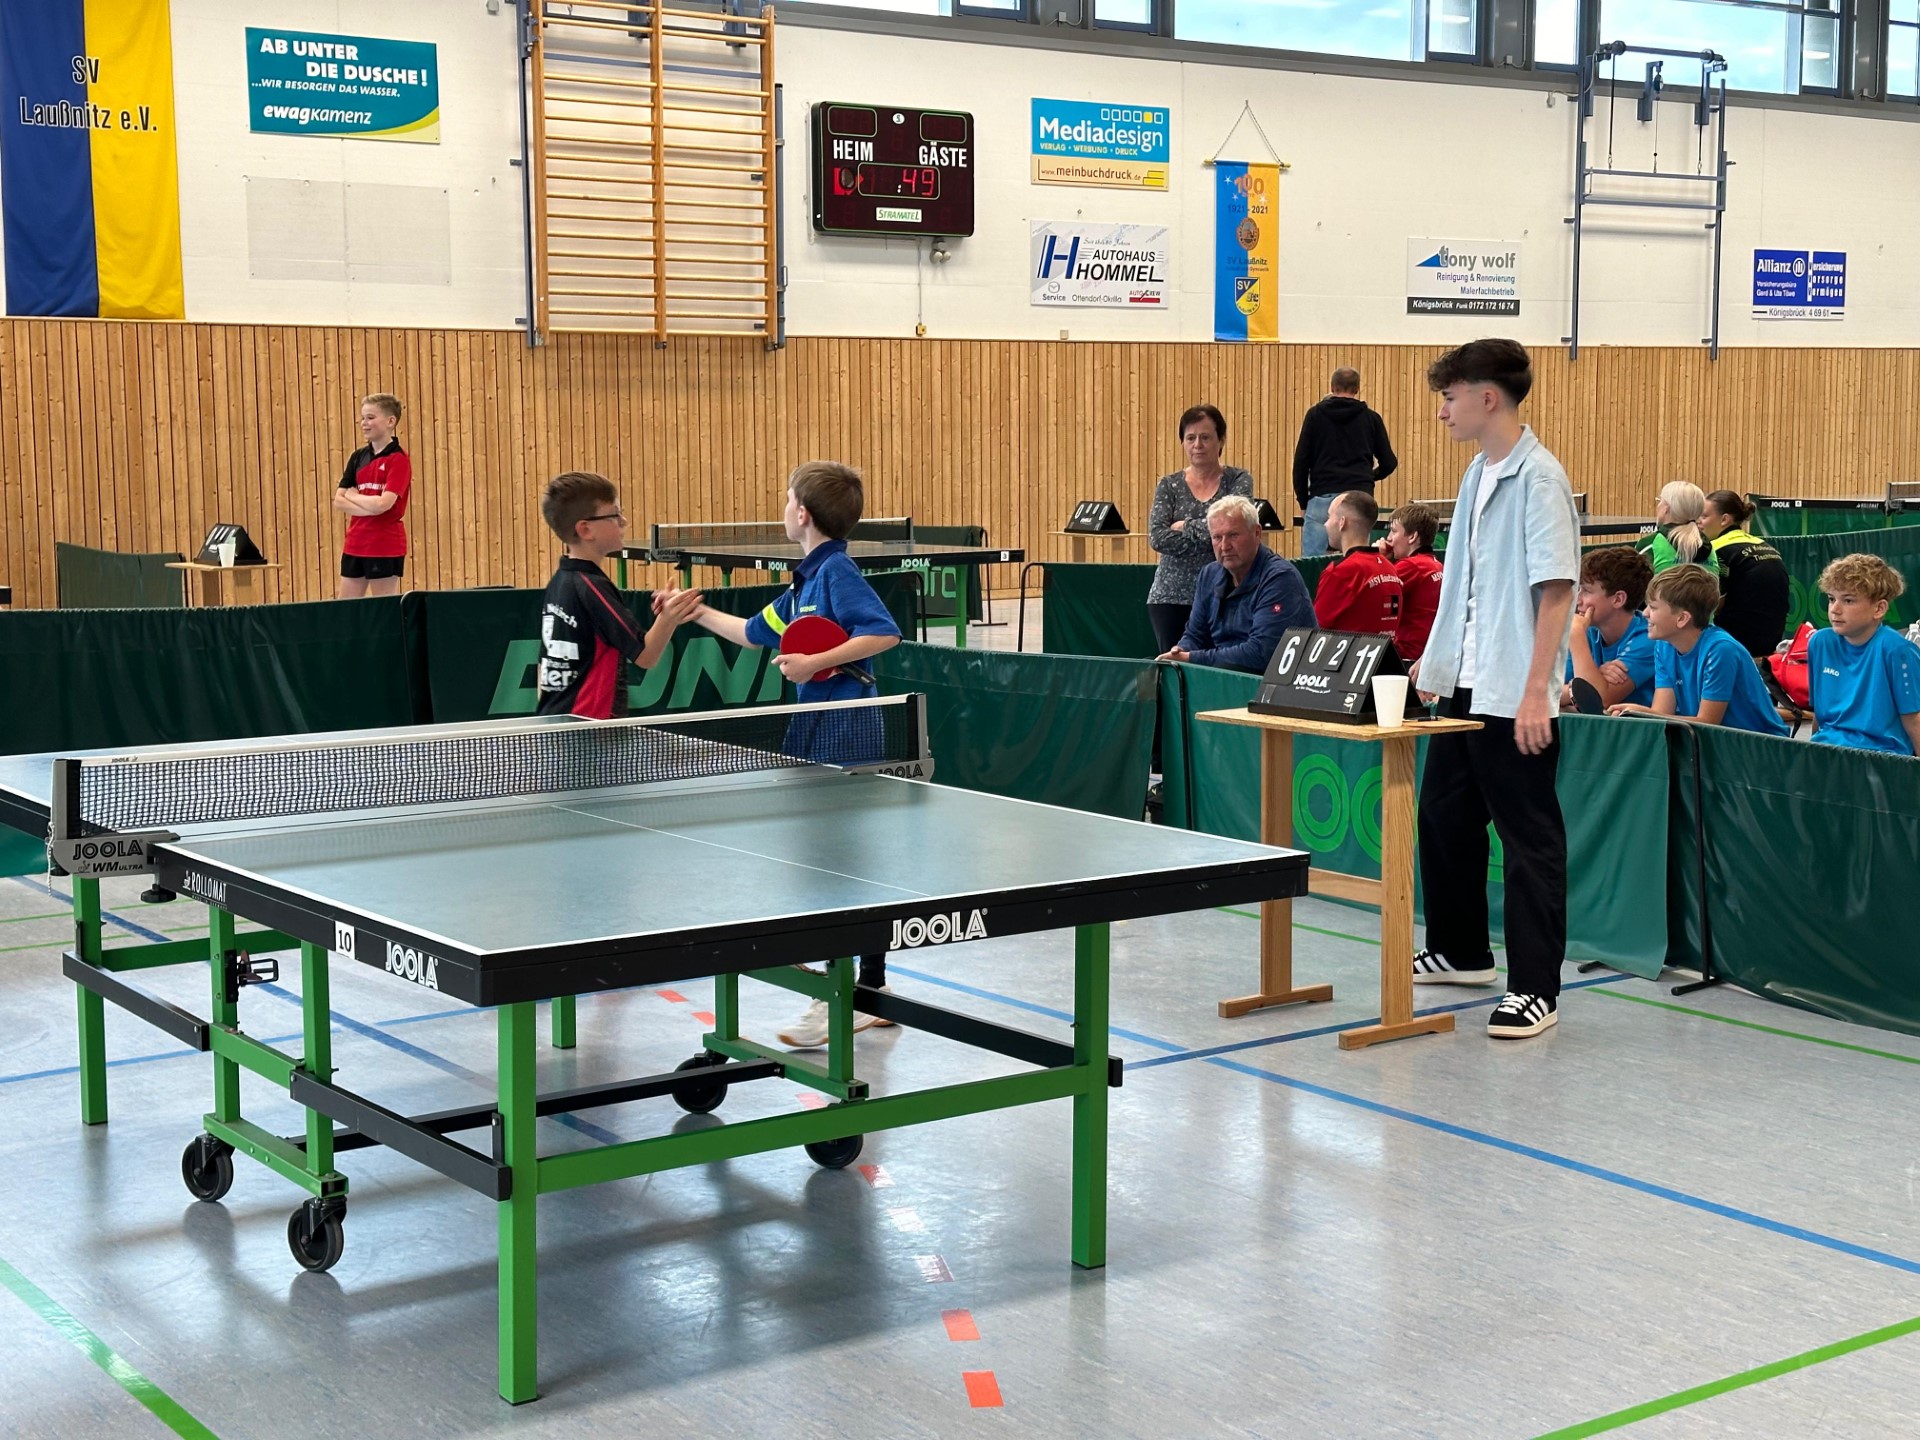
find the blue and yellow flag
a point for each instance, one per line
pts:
(89, 180)
(1246, 252)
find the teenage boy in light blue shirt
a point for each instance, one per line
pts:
(1700, 672)
(1864, 675)
(1497, 651)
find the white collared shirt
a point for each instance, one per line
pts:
(1492, 472)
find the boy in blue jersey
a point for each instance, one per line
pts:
(1616, 657)
(1700, 672)
(824, 503)
(1865, 676)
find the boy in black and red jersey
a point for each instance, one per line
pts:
(373, 495)
(1361, 590)
(586, 630)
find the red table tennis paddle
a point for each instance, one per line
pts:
(813, 635)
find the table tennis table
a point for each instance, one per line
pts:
(885, 544)
(454, 858)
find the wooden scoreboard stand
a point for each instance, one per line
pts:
(1320, 682)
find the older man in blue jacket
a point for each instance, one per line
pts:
(1245, 600)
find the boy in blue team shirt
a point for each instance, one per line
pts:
(1865, 676)
(824, 503)
(1700, 672)
(1617, 658)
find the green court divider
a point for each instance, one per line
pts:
(89, 579)
(1614, 782)
(1809, 868)
(482, 648)
(86, 679)
(1807, 556)
(942, 586)
(1061, 730)
(1102, 609)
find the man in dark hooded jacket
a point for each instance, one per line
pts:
(1343, 446)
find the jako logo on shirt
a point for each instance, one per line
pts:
(937, 930)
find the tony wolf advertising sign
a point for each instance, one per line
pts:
(1463, 277)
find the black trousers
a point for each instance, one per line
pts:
(1169, 624)
(1471, 780)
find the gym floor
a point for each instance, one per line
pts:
(1695, 1212)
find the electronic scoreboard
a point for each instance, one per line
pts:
(881, 170)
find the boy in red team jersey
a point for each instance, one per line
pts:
(373, 495)
(586, 630)
(1361, 590)
(1409, 544)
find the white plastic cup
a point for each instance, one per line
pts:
(227, 550)
(1390, 701)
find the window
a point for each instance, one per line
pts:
(1556, 32)
(1903, 48)
(1780, 49)
(1379, 29)
(1125, 14)
(904, 7)
(1453, 28)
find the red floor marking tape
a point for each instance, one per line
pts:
(876, 1176)
(960, 1325)
(907, 1222)
(705, 1017)
(812, 1100)
(933, 1269)
(672, 997)
(983, 1391)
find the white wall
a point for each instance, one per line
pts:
(483, 282)
(1374, 162)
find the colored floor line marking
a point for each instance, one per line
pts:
(164, 1407)
(672, 997)
(983, 1391)
(1769, 1029)
(875, 1175)
(23, 919)
(1374, 940)
(1027, 1005)
(1580, 1167)
(705, 1017)
(1681, 1398)
(960, 1325)
(810, 1100)
(108, 915)
(933, 1269)
(129, 1060)
(1212, 1050)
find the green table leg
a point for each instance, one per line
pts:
(962, 604)
(87, 943)
(1090, 973)
(519, 1302)
(226, 1012)
(840, 978)
(726, 1006)
(563, 1022)
(620, 569)
(316, 1011)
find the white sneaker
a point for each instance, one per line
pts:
(809, 1032)
(1432, 968)
(864, 1021)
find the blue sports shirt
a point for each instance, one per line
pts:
(1861, 691)
(1717, 668)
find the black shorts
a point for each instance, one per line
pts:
(372, 567)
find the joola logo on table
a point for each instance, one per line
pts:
(938, 930)
(206, 888)
(414, 965)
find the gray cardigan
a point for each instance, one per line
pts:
(1185, 553)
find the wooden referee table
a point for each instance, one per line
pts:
(1392, 892)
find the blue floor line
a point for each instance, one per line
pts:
(1048, 1010)
(1210, 1051)
(1578, 1167)
(442, 1064)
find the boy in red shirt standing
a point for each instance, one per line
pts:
(373, 495)
(1409, 544)
(1361, 590)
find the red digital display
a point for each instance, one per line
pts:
(883, 171)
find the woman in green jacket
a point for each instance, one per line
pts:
(1680, 540)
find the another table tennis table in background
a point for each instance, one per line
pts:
(457, 858)
(884, 544)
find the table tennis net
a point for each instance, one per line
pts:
(1903, 492)
(166, 792)
(756, 534)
